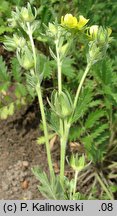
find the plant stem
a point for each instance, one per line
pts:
(39, 93)
(64, 132)
(59, 64)
(62, 156)
(75, 183)
(104, 187)
(33, 46)
(63, 142)
(81, 83)
(38, 90)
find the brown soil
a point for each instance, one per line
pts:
(19, 152)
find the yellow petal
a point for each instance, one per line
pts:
(82, 22)
(109, 31)
(69, 21)
(68, 17)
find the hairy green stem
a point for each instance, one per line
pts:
(63, 142)
(33, 46)
(64, 132)
(38, 90)
(39, 93)
(75, 183)
(62, 156)
(81, 83)
(59, 65)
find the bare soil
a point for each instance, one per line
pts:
(19, 152)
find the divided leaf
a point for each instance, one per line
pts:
(83, 104)
(93, 117)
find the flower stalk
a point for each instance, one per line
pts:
(39, 93)
(59, 66)
(81, 84)
(63, 142)
(33, 46)
(38, 90)
(64, 133)
(75, 183)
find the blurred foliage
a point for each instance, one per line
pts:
(13, 91)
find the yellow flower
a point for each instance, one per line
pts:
(82, 22)
(93, 31)
(71, 22)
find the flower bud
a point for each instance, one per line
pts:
(103, 35)
(77, 163)
(27, 14)
(61, 104)
(99, 33)
(19, 41)
(12, 22)
(94, 53)
(12, 43)
(52, 29)
(25, 58)
(27, 64)
(65, 104)
(100, 39)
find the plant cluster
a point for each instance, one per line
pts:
(84, 113)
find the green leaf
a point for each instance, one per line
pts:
(51, 189)
(4, 76)
(11, 109)
(67, 68)
(53, 121)
(113, 188)
(42, 139)
(93, 117)
(52, 53)
(75, 133)
(99, 130)
(4, 86)
(102, 138)
(4, 29)
(16, 70)
(20, 90)
(4, 113)
(83, 104)
(95, 103)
